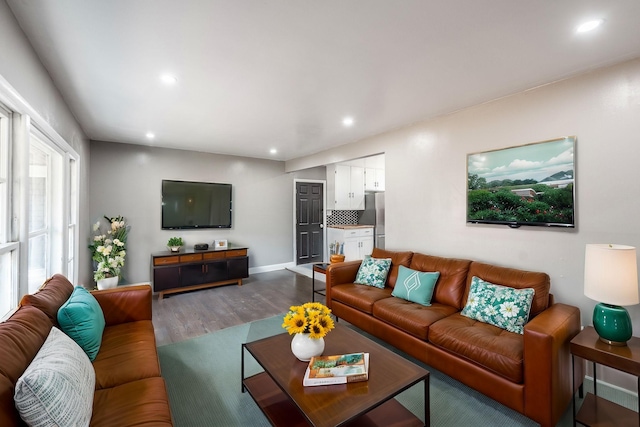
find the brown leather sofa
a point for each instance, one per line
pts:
(530, 373)
(129, 388)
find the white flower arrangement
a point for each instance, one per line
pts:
(108, 248)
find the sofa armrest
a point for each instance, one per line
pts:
(125, 304)
(339, 273)
(548, 372)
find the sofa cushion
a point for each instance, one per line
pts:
(412, 318)
(21, 336)
(51, 295)
(397, 259)
(124, 307)
(137, 403)
(453, 277)
(485, 345)
(357, 296)
(81, 318)
(122, 344)
(501, 306)
(373, 271)
(514, 278)
(415, 286)
(57, 387)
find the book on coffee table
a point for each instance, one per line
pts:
(337, 369)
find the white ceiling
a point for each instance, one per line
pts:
(255, 74)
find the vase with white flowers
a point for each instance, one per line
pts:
(108, 250)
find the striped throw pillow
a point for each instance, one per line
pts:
(57, 387)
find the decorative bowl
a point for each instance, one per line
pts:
(336, 258)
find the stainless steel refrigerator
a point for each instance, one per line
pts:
(373, 214)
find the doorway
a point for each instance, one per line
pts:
(309, 224)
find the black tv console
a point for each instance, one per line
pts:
(189, 270)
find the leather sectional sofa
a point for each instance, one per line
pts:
(129, 390)
(529, 372)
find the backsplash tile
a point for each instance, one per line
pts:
(342, 218)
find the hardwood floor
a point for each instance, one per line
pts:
(190, 314)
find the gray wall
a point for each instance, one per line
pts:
(426, 177)
(21, 68)
(126, 180)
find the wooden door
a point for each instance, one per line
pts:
(309, 222)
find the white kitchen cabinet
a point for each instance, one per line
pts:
(374, 173)
(374, 179)
(345, 187)
(358, 241)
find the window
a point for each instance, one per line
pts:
(39, 214)
(46, 211)
(5, 155)
(8, 248)
(72, 223)
(39, 201)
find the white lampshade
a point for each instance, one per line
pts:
(611, 274)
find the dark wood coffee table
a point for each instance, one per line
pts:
(279, 392)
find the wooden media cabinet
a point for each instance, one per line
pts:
(190, 269)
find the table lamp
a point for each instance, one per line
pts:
(611, 278)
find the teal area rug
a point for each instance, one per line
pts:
(203, 381)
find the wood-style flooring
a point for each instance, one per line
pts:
(186, 315)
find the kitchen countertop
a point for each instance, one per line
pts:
(350, 226)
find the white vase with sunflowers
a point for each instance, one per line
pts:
(309, 324)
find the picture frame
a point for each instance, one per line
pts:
(220, 244)
(531, 184)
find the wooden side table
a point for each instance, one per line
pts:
(320, 267)
(596, 411)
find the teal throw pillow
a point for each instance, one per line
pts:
(501, 306)
(373, 271)
(415, 286)
(82, 319)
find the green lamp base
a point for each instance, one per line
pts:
(612, 323)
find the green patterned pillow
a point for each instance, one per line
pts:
(501, 306)
(415, 286)
(373, 271)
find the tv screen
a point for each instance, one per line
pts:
(195, 205)
(531, 184)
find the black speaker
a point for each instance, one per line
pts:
(201, 246)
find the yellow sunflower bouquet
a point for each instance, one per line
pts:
(312, 318)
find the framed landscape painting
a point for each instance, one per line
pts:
(531, 184)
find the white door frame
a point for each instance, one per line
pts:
(324, 217)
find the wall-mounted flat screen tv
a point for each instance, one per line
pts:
(530, 184)
(189, 205)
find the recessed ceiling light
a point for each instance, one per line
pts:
(347, 121)
(168, 79)
(273, 151)
(150, 135)
(589, 25)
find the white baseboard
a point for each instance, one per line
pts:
(272, 267)
(614, 388)
(288, 266)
